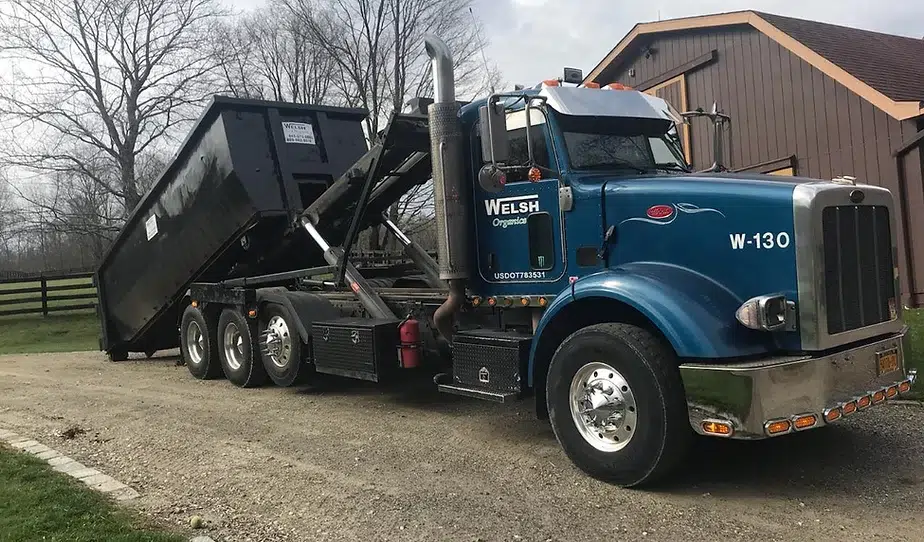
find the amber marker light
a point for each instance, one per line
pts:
(714, 427)
(849, 408)
(833, 414)
(805, 421)
(779, 426)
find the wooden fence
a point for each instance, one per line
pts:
(44, 294)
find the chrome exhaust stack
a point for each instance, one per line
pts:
(449, 188)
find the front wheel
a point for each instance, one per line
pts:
(616, 404)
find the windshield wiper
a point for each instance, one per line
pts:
(617, 164)
(671, 166)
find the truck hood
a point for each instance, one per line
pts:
(736, 230)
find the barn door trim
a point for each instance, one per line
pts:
(685, 128)
(772, 166)
(682, 69)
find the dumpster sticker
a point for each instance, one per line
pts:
(298, 132)
(150, 226)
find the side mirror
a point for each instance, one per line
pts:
(495, 142)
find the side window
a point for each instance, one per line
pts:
(541, 242)
(519, 151)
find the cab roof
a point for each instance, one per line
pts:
(591, 102)
(580, 101)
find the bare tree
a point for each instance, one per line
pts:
(377, 48)
(100, 83)
(380, 62)
(74, 208)
(6, 212)
(267, 54)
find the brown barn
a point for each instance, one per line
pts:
(806, 98)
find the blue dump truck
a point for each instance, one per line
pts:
(580, 264)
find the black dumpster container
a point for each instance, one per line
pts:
(223, 208)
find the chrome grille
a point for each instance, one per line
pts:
(859, 286)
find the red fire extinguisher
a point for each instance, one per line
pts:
(409, 337)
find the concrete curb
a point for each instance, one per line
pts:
(61, 463)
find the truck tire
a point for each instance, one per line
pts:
(617, 405)
(281, 347)
(236, 351)
(199, 345)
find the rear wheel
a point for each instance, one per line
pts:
(617, 405)
(236, 351)
(281, 347)
(198, 345)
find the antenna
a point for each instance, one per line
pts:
(483, 57)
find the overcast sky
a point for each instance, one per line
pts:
(532, 40)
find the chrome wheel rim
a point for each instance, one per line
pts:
(233, 346)
(195, 343)
(278, 342)
(603, 407)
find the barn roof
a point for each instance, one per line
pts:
(884, 69)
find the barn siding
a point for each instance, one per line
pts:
(780, 106)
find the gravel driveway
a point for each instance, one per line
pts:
(349, 461)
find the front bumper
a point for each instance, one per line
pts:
(758, 399)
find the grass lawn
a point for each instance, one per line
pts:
(915, 321)
(64, 332)
(37, 503)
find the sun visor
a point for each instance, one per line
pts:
(587, 102)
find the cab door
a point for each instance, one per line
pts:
(519, 229)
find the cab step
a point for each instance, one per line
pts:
(472, 392)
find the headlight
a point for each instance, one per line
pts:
(766, 312)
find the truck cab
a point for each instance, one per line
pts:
(777, 299)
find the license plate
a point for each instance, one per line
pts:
(887, 361)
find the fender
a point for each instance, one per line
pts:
(303, 307)
(693, 312)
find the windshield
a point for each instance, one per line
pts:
(612, 143)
